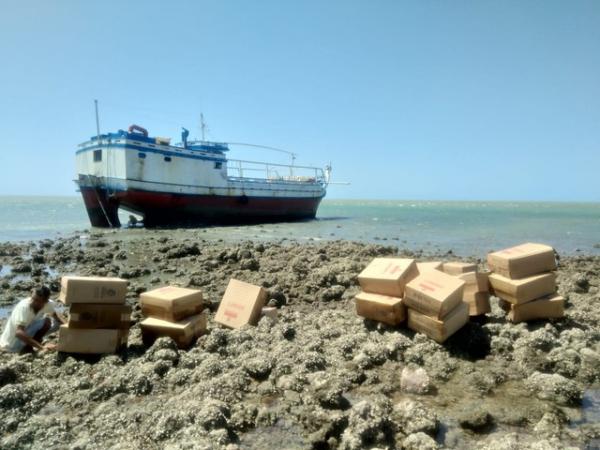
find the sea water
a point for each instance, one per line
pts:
(468, 228)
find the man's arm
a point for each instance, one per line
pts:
(59, 318)
(20, 333)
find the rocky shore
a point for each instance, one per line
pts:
(318, 378)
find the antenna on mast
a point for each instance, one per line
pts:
(97, 120)
(203, 126)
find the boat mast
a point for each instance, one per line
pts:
(94, 182)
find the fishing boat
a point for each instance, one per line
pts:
(189, 183)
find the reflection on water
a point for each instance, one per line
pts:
(281, 435)
(52, 273)
(5, 311)
(590, 406)
(7, 272)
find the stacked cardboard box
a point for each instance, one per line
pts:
(524, 280)
(476, 292)
(548, 307)
(183, 332)
(98, 318)
(435, 304)
(424, 266)
(242, 304)
(173, 312)
(381, 308)
(382, 283)
(457, 268)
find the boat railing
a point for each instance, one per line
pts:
(271, 172)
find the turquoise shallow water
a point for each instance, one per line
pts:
(465, 227)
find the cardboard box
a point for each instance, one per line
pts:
(269, 311)
(475, 281)
(479, 303)
(523, 290)
(98, 341)
(381, 308)
(92, 290)
(162, 140)
(522, 261)
(388, 276)
(241, 304)
(551, 307)
(457, 267)
(171, 303)
(183, 332)
(429, 265)
(434, 293)
(476, 292)
(439, 330)
(90, 316)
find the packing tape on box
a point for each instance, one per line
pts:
(77, 316)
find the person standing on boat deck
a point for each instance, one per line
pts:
(31, 319)
(184, 136)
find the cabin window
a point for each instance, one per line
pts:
(97, 155)
(218, 165)
(141, 155)
(167, 159)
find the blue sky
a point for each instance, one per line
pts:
(450, 100)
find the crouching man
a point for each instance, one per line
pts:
(31, 319)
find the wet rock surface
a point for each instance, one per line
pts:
(319, 377)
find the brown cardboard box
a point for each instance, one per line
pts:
(479, 303)
(439, 330)
(523, 290)
(475, 281)
(98, 341)
(476, 292)
(381, 308)
(522, 261)
(551, 307)
(171, 303)
(92, 290)
(269, 311)
(434, 293)
(388, 276)
(241, 304)
(457, 267)
(429, 265)
(90, 316)
(183, 332)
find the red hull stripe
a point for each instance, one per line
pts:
(161, 207)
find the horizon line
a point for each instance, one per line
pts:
(354, 199)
